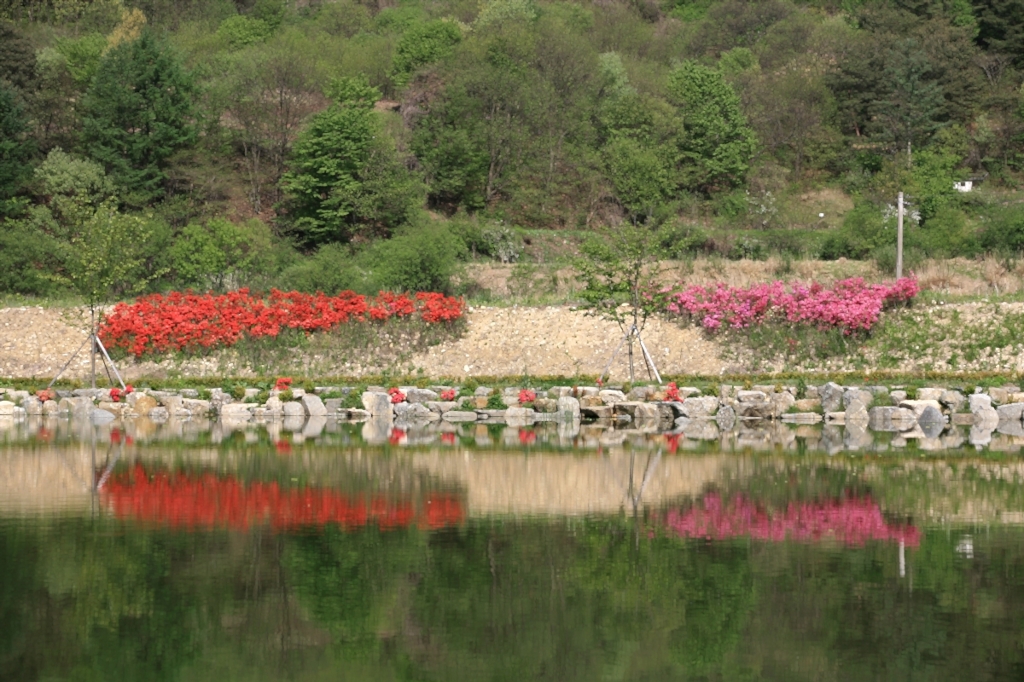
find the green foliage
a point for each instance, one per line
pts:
(26, 259)
(138, 111)
(421, 45)
(495, 402)
(1004, 231)
(82, 57)
(241, 31)
(421, 259)
(718, 143)
(221, 255)
(679, 240)
(330, 269)
(864, 229)
(63, 175)
(346, 178)
(619, 274)
(106, 254)
(16, 147)
(641, 180)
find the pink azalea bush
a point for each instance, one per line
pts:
(850, 305)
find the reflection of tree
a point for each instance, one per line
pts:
(99, 602)
(520, 600)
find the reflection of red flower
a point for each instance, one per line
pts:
(527, 436)
(44, 434)
(283, 447)
(448, 438)
(396, 436)
(191, 501)
(115, 436)
(672, 440)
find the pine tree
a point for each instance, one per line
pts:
(137, 113)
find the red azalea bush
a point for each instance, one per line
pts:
(850, 305)
(188, 322)
(448, 395)
(672, 392)
(849, 521)
(283, 384)
(396, 396)
(526, 396)
(46, 394)
(116, 393)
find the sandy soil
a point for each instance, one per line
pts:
(556, 339)
(553, 340)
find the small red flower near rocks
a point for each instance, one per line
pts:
(396, 396)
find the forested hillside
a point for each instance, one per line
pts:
(214, 144)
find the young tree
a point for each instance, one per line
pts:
(346, 179)
(137, 113)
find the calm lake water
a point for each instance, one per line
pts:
(325, 551)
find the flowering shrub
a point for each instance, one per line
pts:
(116, 393)
(204, 501)
(189, 322)
(527, 397)
(396, 396)
(46, 394)
(849, 521)
(672, 392)
(850, 305)
(283, 384)
(448, 394)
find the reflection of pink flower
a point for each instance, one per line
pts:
(448, 438)
(527, 436)
(849, 521)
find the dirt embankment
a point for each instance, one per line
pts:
(548, 340)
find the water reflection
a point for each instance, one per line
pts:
(483, 552)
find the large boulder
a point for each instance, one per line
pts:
(1011, 412)
(697, 408)
(313, 406)
(568, 409)
(144, 404)
(891, 418)
(831, 395)
(377, 404)
(420, 395)
(410, 412)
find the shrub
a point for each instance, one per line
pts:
(423, 259)
(332, 268)
(1005, 231)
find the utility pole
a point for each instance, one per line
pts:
(899, 236)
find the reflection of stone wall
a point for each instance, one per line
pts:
(37, 480)
(567, 484)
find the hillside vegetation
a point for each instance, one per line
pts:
(374, 145)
